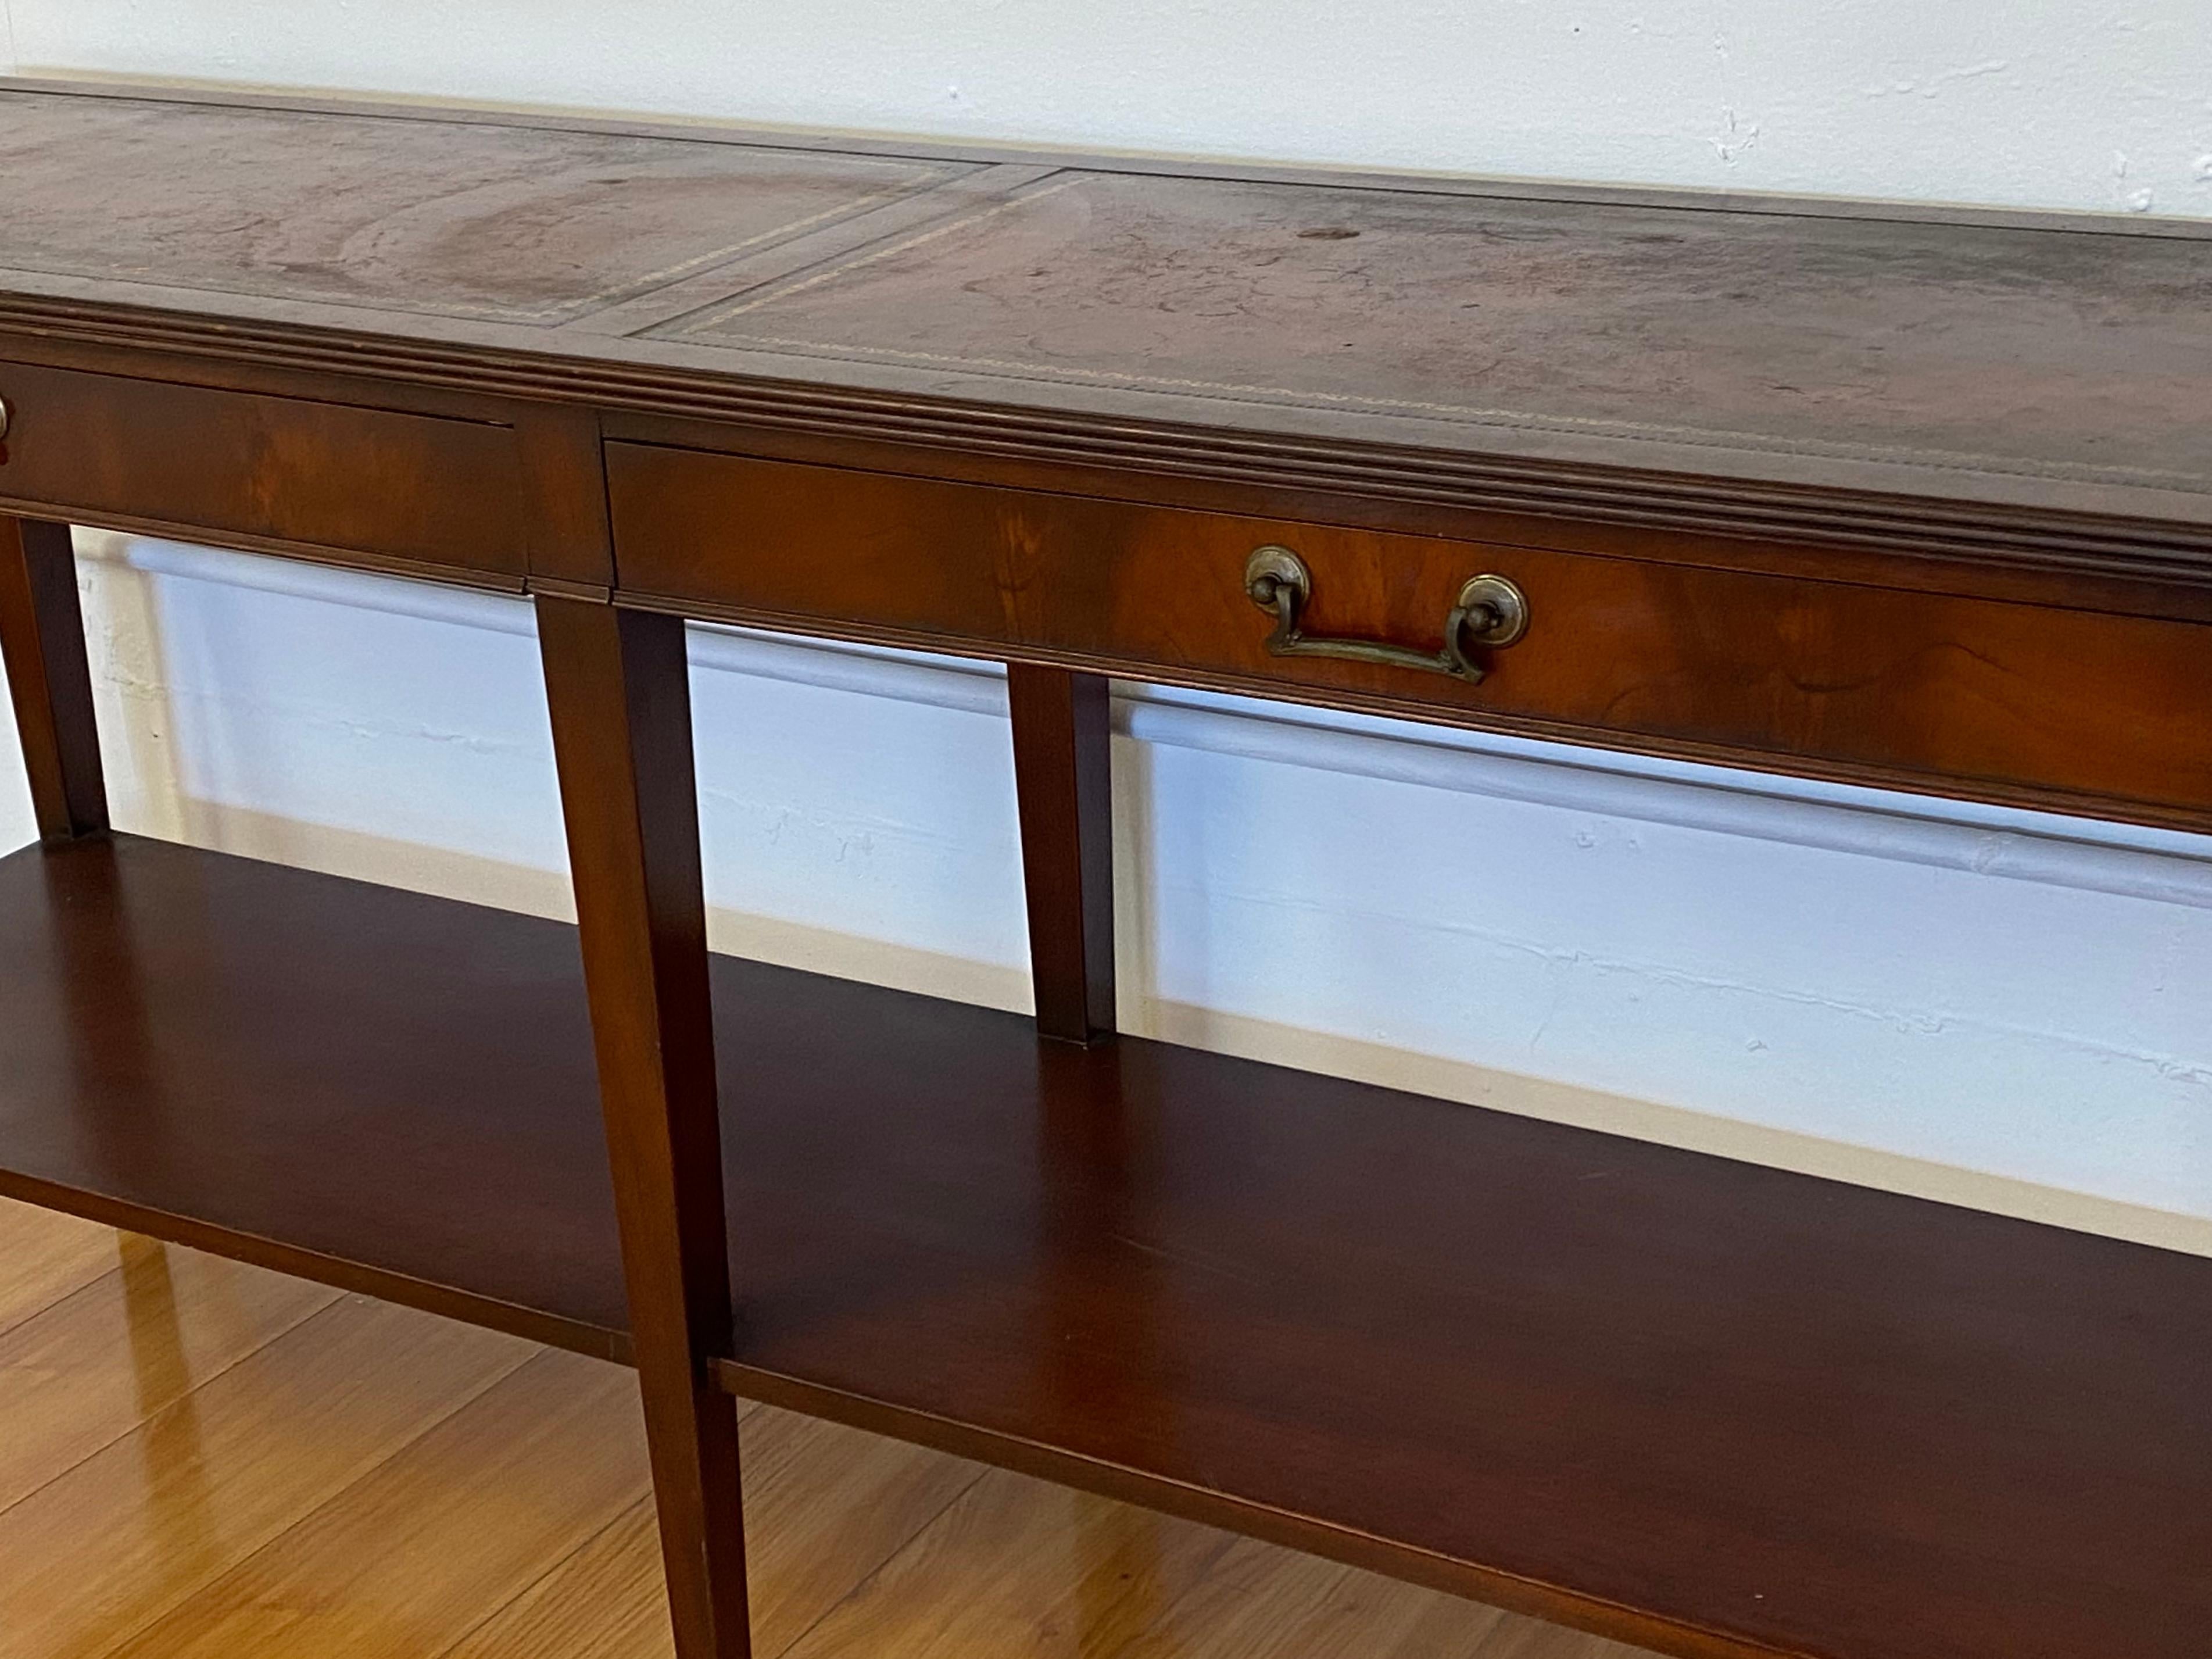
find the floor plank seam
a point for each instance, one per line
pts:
(9, 1327)
(861, 1583)
(182, 1400)
(67, 1297)
(552, 1569)
(335, 1496)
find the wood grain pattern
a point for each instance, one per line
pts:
(435, 1536)
(96, 1365)
(44, 1257)
(1913, 549)
(2023, 703)
(617, 683)
(1259, 1603)
(825, 1505)
(405, 1560)
(2095, 536)
(1042, 1571)
(1695, 1389)
(42, 640)
(570, 540)
(1063, 777)
(1702, 1407)
(164, 1008)
(418, 488)
(608, 1600)
(135, 1529)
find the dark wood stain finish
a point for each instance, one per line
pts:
(566, 496)
(414, 487)
(1868, 492)
(1954, 696)
(621, 704)
(49, 679)
(391, 1092)
(1712, 1408)
(1063, 772)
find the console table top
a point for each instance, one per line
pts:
(1606, 347)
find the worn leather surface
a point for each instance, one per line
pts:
(2065, 352)
(1824, 370)
(520, 224)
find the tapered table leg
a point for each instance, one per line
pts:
(615, 681)
(42, 638)
(1063, 776)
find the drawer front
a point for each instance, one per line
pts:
(419, 489)
(1965, 696)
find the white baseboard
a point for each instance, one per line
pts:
(2167, 866)
(2025, 846)
(545, 892)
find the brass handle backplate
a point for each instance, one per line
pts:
(1490, 612)
(6, 414)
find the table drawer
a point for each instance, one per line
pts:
(1880, 684)
(415, 487)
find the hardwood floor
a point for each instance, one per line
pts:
(201, 1459)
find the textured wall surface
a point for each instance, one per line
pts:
(2070, 103)
(2004, 1010)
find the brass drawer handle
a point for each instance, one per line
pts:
(6, 415)
(1490, 611)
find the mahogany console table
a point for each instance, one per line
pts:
(1861, 492)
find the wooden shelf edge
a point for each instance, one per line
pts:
(1510, 1591)
(449, 1302)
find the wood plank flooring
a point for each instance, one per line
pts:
(199, 1459)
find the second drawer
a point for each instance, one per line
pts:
(1923, 691)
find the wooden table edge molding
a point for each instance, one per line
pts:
(2060, 529)
(1713, 1408)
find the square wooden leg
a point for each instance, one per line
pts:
(1063, 775)
(616, 684)
(42, 638)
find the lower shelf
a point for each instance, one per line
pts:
(389, 1092)
(1706, 1406)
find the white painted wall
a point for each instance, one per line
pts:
(1982, 1005)
(2073, 103)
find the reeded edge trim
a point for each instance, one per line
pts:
(1497, 1585)
(1937, 527)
